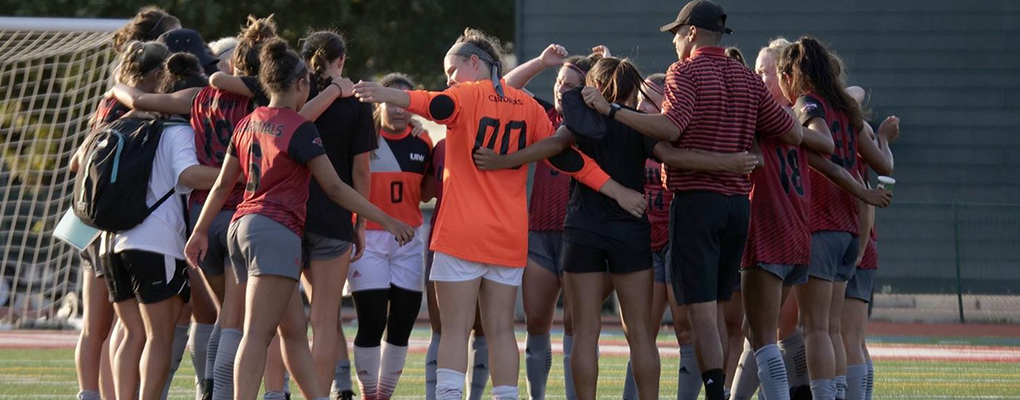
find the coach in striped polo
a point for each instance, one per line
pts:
(712, 103)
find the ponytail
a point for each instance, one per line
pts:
(141, 58)
(619, 80)
(319, 50)
(812, 68)
(249, 43)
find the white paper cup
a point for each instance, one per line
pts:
(887, 183)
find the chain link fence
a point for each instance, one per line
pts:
(948, 262)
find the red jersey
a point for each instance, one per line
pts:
(214, 114)
(273, 145)
(398, 167)
(109, 110)
(550, 190)
(484, 217)
(436, 169)
(870, 260)
(718, 105)
(832, 209)
(658, 204)
(780, 205)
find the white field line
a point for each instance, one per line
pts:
(879, 351)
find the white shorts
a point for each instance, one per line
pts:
(387, 263)
(447, 268)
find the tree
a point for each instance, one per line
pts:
(382, 35)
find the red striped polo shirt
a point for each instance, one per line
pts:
(718, 105)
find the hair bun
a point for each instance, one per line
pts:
(273, 50)
(183, 64)
(259, 29)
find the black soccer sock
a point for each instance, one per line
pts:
(715, 383)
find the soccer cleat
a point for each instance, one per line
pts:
(800, 393)
(344, 395)
(207, 388)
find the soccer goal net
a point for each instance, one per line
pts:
(52, 73)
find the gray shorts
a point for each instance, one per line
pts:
(217, 256)
(659, 260)
(262, 246)
(667, 274)
(544, 248)
(316, 247)
(833, 255)
(861, 285)
(790, 274)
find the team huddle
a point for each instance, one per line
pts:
(231, 177)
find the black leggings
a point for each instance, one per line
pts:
(392, 310)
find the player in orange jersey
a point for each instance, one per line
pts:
(481, 233)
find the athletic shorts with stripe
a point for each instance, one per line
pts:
(146, 276)
(447, 268)
(544, 248)
(217, 255)
(385, 263)
(261, 246)
(861, 285)
(833, 255)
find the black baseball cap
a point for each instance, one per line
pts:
(189, 41)
(703, 14)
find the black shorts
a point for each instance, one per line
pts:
(146, 276)
(583, 258)
(707, 233)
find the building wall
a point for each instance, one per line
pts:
(949, 69)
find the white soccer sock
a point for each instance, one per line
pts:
(223, 386)
(478, 361)
(537, 363)
(772, 372)
(841, 387)
(393, 359)
(431, 364)
(89, 395)
(341, 377)
(199, 344)
(823, 389)
(795, 359)
(689, 374)
(856, 385)
(180, 344)
(745, 378)
(210, 351)
(449, 384)
(366, 362)
(504, 393)
(869, 383)
(274, 395)
(568, 375)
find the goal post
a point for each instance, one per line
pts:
(53, 71)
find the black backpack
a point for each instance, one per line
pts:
(113, 176)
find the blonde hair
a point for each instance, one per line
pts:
(776, 46)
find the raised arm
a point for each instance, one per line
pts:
(695, 160)
(487, 159)
(552, 56)
(168, 103)
(842, 178)
(372, 92)
(867, 222)
(230, 83)
(339, 88)
(868, 148)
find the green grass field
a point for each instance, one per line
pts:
(50, 374)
